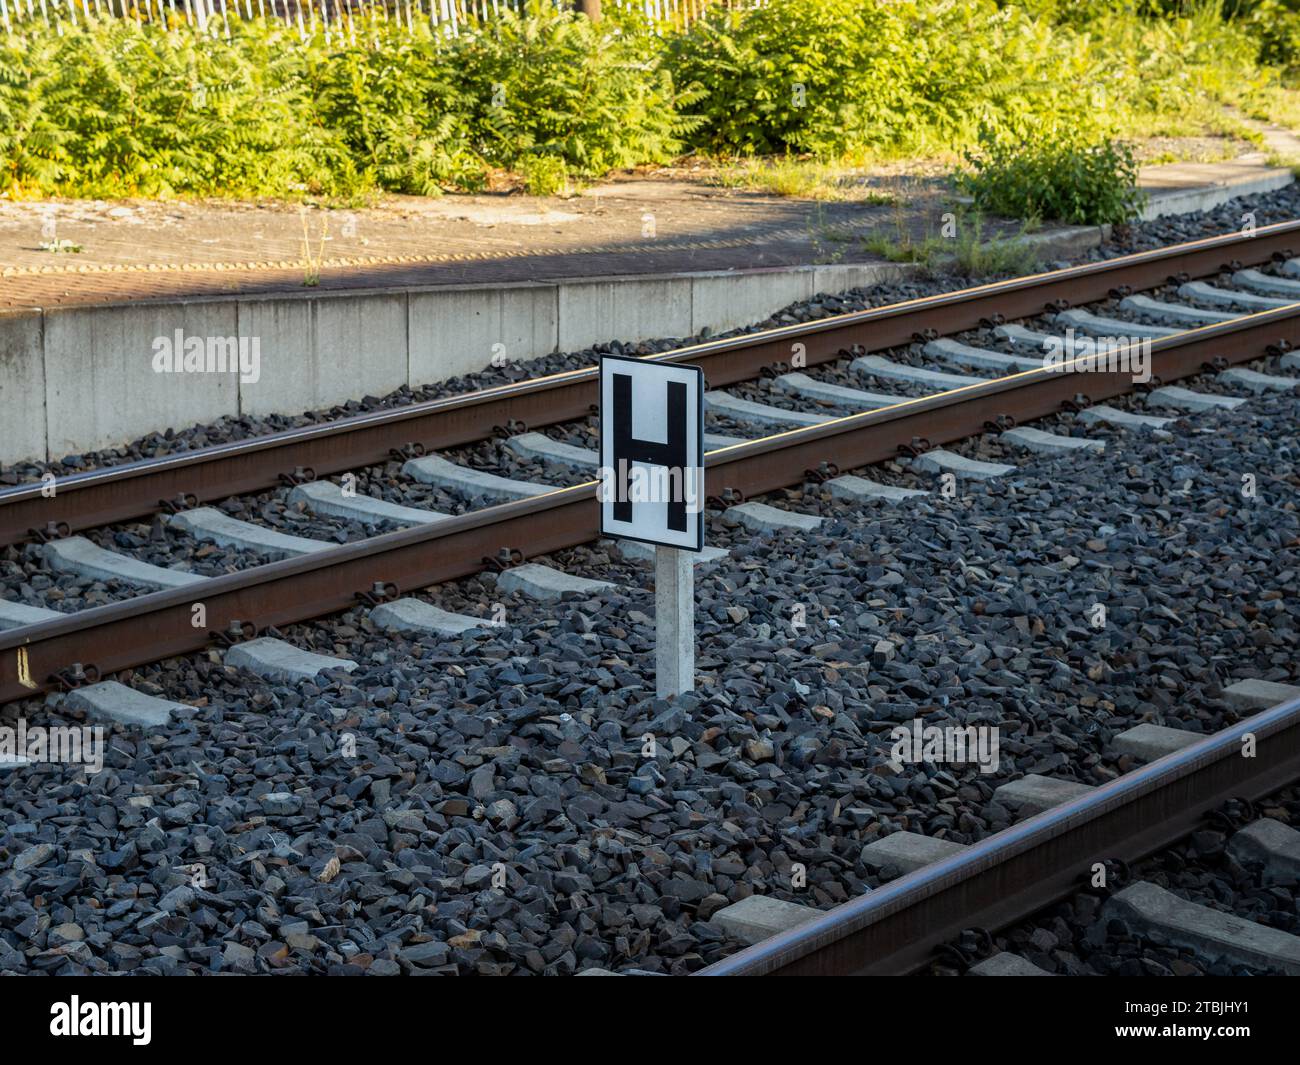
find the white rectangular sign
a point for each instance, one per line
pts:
(652, 452)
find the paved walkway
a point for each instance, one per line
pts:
(640, 225)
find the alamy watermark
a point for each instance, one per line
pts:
(194, 354)
(72, 744)
(1075, 353)
(917, 742)
(633, 482)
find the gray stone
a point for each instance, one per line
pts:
(907, 851)
(1149, 742)
(16, 615)
(1177, 313)
(419, 618)
(746, 410)
(208, 523)
(1161, 916)
(1037, 440)
(276, 660)
(758, 917)
(81, 557)
(800, 384)
(543, 582)
(853, 489)
(958, 354)
(761, 518)
(540, 446)
(1104, 415)
(942, 461)
(1255, 694)
(1186, 399)
(281, 804)
(434, 469)
(1228, 297)
(110, 701)
(327, 498)
(877, 366)
(1033, 794)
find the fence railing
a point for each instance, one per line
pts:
(331, 16)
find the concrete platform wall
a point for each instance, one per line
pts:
(78, 379)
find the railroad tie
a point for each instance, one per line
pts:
(800, 384)
(1177, 313)
(887, 369)
(275, 660)
(715, 441)
(1290, 361)
(942, 461)
(850, 488)
(327, 499)
(1202, 292)
(1272, 847)
(907, 851)
(958, 354)
(1019, 336)
(1267, 284)
(417, 618)
(1044, 443)
(1032, 794)
(746, 410)
(210, 524)
(541, 446)
(1177, 398)
(1256, 382)
(1151, 912)
(761, 518)
(110, 701)
(1099, 325)
(641, 552)
(1006, 964)
(1149, 742)
(83, 558)
(436, 470)
(1104, 415)
(1291, 267)
(1254, 694)
(16, 615)
(759, 917)
(543, 582)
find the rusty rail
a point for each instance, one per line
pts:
(150, 627)
(140, 489)
(895, 929)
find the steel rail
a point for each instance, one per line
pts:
(155, 626)
(895, 929)
(140, 489)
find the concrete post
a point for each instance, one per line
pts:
(674, 621)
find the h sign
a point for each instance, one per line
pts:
(652, 452)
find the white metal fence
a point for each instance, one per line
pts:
(310, 16)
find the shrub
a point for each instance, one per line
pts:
(1042, 177)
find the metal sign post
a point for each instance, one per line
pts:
(652, 490)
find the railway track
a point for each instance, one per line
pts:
(897, 927)
(1249, 318)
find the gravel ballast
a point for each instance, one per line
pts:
(515, 801)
